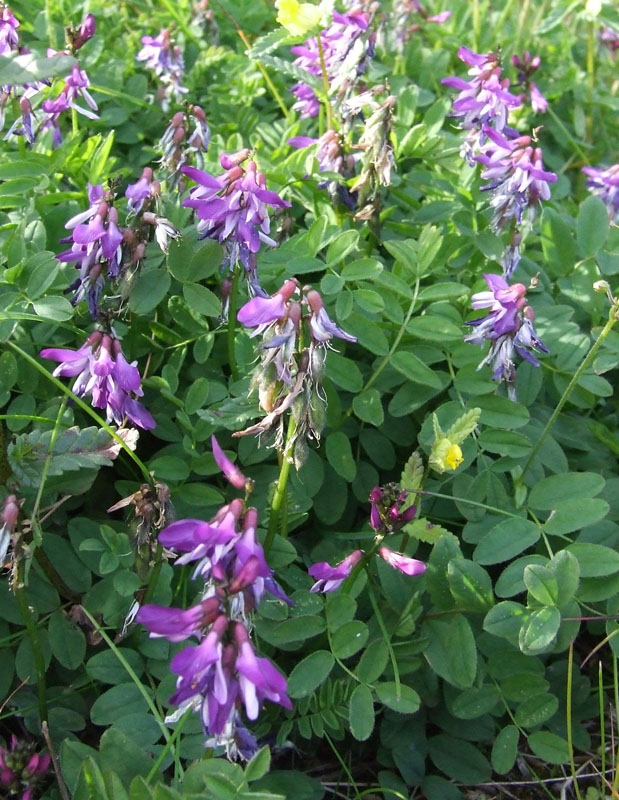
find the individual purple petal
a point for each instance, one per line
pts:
(331, 578)
(230, 470)
(409, 566)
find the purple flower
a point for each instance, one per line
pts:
(329, 578)
(409, 566)
(483, 101)
(166, 60)
(339, 42)
(605, 184)
(386, 508)
(199, 666)
(86, 32)
(232, 472)
(258, 678)
(9, 38)
(21, 769)
(527, 66)
(102, 372)
(332, 157)
(518, 180)
(76, 85)
(322, 327)
(145, 189)
(508, 327)
(233, 207)
(264, 310)
(176, 624)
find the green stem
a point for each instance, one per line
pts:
(616, 698)
(280, 488)
(591, 47)
(325, 82)
(85, 407)
(27, 615)
(234, 373)
(48, 459)
(569, 389)
(50, 27)
(568, 714)
(387, 638)
(267, 78)
(476, 25)
(75, 125)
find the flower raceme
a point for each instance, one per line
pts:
(222, 673)
(21, 769)
(508, 326)
(233, 208)
(102, 373)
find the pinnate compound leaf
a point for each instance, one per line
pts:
(412, 474)
(463, 426)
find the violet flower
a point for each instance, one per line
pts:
(76, 85)
(604, 183)
(508, 327)
(21, 769)
(232, 208)
(258, 678)
(329, 578)
(85, 32)
(409, 566)
(102, 373)
(344, 56)
(484, 101)
(144, 190)
(166, 60)
(331, 157)
(527, 66)
(518, 180)
(230, 470)
(323, 328)
(388, 513)
(263, 310)
(9, 38)
(176, 624)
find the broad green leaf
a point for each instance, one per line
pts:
(541, 584)
(373, 661)
(349, 639)
(535, 710)
(340, 247)
(564, 566)
(368, 407)
(470, 585)
(459, 759)
(511, 580)
(505, 443)
(505, 620)
(309, 673)
(594, 560)
(361, 713)
(499, 412)
(539, 630)
(506, 540)
(201, 300)
(259, 764)
(549, 747)
(475, 702)
(361, 269)
(505, 749)
(591, 226)
(451, 650)
(53, 307)
(149, 290)
(548, 492)
(339, 455)
(413, 368)
(400, 698)
(68, 642)
(19, 69)
(434, 329)
(572, 515)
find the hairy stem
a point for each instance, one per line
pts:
(280, 488)
(232, 324)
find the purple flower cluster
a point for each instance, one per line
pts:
(233, 208)
(604, 183)
(518, 182)
(388, 510)
(103, 373)
(609, 38)
(289, 378)
(517, 179)
(75, 85)
(185, 139)
(527, 66)
(399, 30)
(484, 101)
(332, 157)
(165, 59)
(100, 247)
(21, 769)
(222, 673)
(387, 516)
(344, 54)
(508, 327)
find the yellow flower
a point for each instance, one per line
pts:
(298, 18)
(453, 459)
